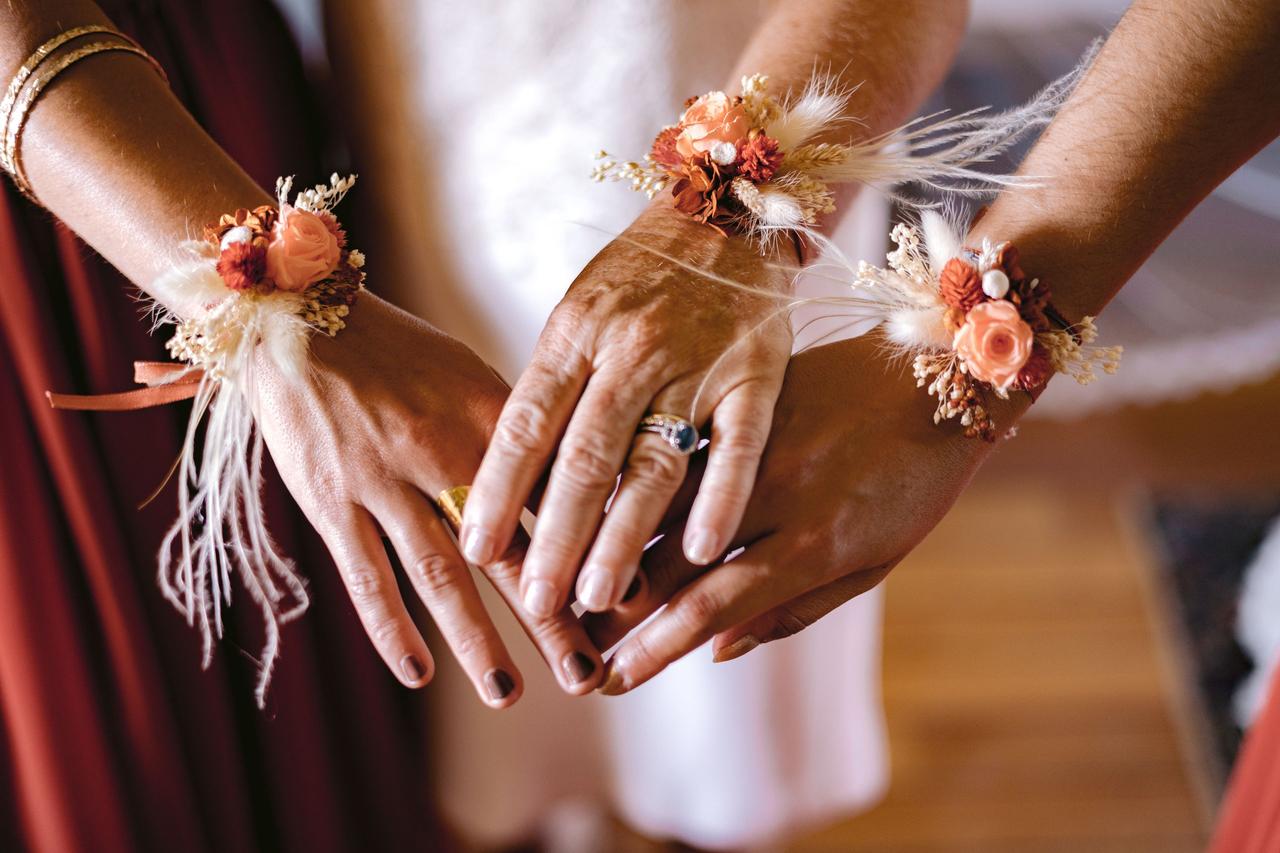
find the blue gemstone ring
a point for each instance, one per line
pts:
(680, 434)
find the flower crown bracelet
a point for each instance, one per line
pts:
(260, 282)
(748, 163)
(974, 323)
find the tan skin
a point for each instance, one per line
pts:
(634, 336)
(109, 144)
(394, 411)
(1182, 93)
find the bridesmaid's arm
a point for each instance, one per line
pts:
(392, 411)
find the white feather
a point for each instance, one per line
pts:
(189, 289)
(285, 334)
(779, 209)
(941, 239)
(916, 329)
(821, 105)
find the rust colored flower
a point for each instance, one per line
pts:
(243, 265)
(1008, 261)
(261, 221)
(961, 285)
(1036, 371)
(697, 191)
(664, 151)
(759, 157)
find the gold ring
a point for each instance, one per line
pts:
(451, 501)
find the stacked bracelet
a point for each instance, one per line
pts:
(44, 64)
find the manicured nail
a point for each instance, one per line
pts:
(633, 589)
(595, 588)
(736, 649)
(614, 684)
(578, 667)
(478, 547)
(540, 599)
(498, 684)
(701, 547)
(412, 668)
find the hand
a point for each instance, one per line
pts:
(854, 476)
(635, 334)
(394, 413)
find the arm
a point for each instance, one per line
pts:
(370, 436)
(633, 337)
(1181, 94)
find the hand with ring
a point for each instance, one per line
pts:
(639, 356)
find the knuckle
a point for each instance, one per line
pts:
(740, 444)
(787, 624)
(366, 586)
(658, 466)
(503, 572)
(434, 573)
(520, 427)
(696, 609)
(586, 466)
(469, 643)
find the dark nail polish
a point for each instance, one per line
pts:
(578, 667)
(412, 668)
(633, 590)
(498, 684)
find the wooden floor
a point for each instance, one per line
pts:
(1030, 684)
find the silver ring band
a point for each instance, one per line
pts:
(680, 434)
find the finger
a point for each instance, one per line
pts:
(560, 638)
(443, 582)
(585, 473)
(523, 440)
(653, 473)
(352, 538)
(739, 431)
(664, 571)
(794, 616)
(726, 595)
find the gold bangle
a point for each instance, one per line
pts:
(37, 56)
(33, 92)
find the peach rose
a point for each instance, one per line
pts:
(303, 251)
(711, 120)
(995, 343)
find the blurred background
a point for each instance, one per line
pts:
(1081, 681)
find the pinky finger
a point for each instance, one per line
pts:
(739, 430)
(794, 616)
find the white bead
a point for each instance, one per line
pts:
(995, 283)
(239, 234)
(724, 153)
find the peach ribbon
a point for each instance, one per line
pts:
(166, 381)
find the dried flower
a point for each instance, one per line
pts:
(663, 151)
(304, 250)
(994, 343)
(960, 285)
(759, 157)
(242, 265)
(711, 119)
(1037, 370)
(697, 191)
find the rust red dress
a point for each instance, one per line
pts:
(111, 737)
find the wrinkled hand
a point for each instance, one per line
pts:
(854, 476)
(635, 334)
(393, 413)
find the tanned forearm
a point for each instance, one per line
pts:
(1183, 92)
(112, 153)
(896, 53)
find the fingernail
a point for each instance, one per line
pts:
(701, 547)
(736, 649)
(595, 588)
(498, 684)
(412, 668)
(578, 667)
(540, 599)
(478, 547)
(633, 589)
(614, 684)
